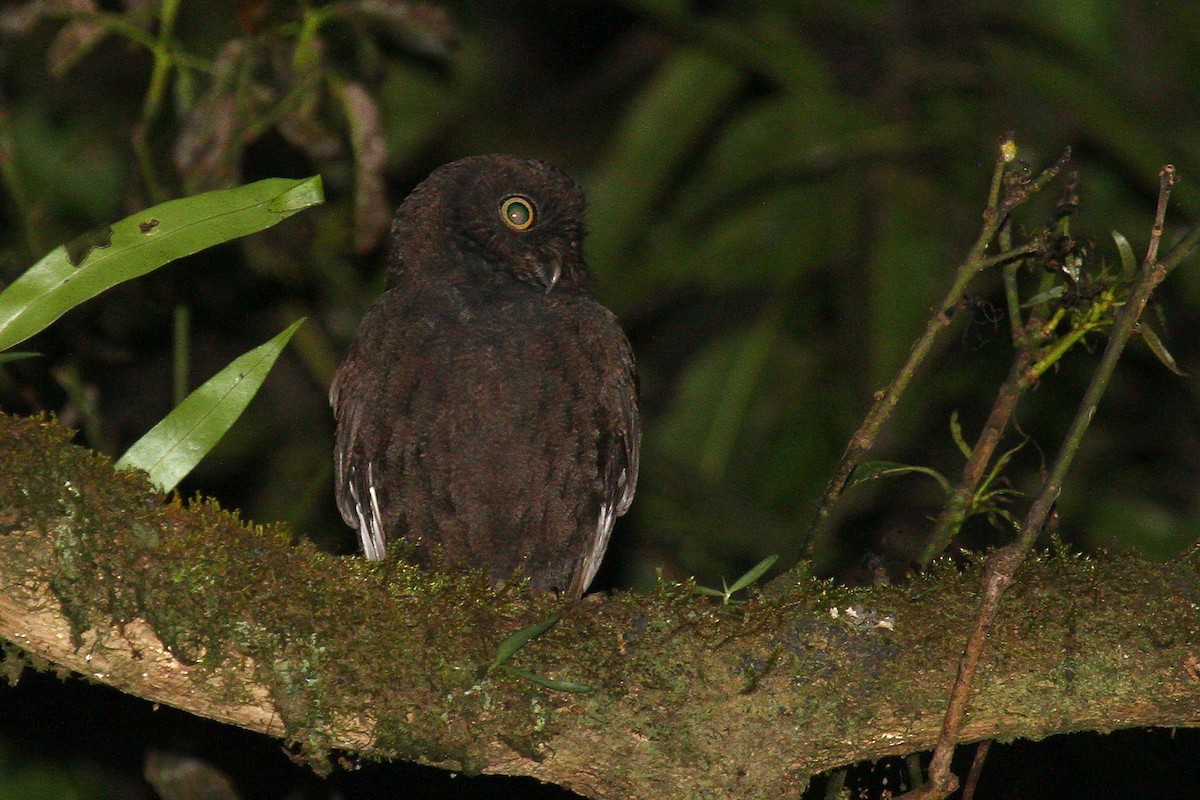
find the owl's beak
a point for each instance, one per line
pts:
(550, 276)
(543, 271)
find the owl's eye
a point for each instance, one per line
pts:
(517, 212)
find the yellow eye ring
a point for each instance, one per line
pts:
(517, 212)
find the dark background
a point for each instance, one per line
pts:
(779, 194)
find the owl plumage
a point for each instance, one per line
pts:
(488, 404)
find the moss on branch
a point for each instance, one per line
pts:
(184, 603)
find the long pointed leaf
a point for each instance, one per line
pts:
(17, 355)
(514, 643)
(142, 243)
(873, 470)
(173, 447)
(1159, 349)
(1128, 260)
(756, 572)
(549, 683)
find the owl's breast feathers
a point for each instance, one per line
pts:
(487, 409)
(500, 425)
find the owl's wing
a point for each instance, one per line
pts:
(618, 461)
(354, 472)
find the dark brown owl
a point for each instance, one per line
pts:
(488, 405)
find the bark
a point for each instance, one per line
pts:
(186, 605)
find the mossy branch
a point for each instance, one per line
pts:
(186, 605)
(1003, 564)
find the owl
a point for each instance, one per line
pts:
(488, 405)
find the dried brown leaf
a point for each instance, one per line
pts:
(228, 117)
(371, 211)
(303, 130)
(425, 28)
(72, 42)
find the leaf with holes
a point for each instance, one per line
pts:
(71, 275)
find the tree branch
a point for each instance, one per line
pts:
(187, 606)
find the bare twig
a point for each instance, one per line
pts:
(958, 505)
(1003, 563)
(1007, 192)
(981, 752)
(1027, 367)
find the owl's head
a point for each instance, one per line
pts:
(499, 218)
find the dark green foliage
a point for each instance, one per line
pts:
(778, 192)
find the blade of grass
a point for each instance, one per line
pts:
(756, 572)
(549, 683)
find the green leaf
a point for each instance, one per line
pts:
(142, 243)
(872, 470)
(173, 447)
(514, 644)
(957, 435)
(1053, 293)
(17, 355)
(1159, 349)
(669, 120)
(549, 683)
(755, 572)
(1128, 260)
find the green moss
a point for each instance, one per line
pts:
(411, 649)
(210, 585)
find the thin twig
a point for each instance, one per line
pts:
(959, 503)
(1003, 563)
(1150, 276)
(1005, 195)
(968, 792)
(885, 401)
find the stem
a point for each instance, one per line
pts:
(1004, 563)
(1151, 275)
(164, 61)
(968, 792)
(180, 352)
(14, 182)
(959, 505)
(1000, 204)
(886, 401)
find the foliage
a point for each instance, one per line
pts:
(771, 215)
(778, 193)
(71, 275)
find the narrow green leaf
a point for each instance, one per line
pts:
(707, 592)
(755, 572)
(549, 683)
(669, 120)
(142, 243)
(17, 355)
(513, 644)
(1002, 462)
(173, 447)
(737, 391)
(873, 470)
(1159, 349)
(957, 435)
(1128, 260)
(1053, 293)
